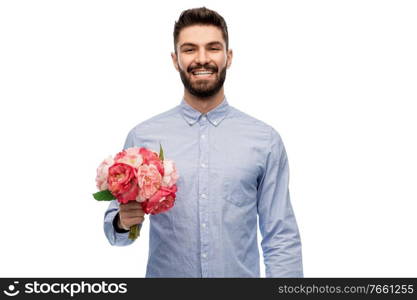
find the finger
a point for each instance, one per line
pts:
(131, 214)
(132, 209)
(133, 205)
(140, 220)
(132, 221)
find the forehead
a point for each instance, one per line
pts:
(200, 34)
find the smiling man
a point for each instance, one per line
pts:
(201, 57)
(233, 171)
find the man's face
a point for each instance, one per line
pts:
(202, 59)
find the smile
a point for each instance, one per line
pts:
(202, 73)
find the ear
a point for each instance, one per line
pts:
(229, 57)
(175, 60)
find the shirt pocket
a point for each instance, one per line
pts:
(234, 192)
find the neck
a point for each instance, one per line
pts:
(204, 105)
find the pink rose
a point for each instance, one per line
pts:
(102, 172)
(152, 158)
(130, 156)
(162, 201)
(122, 182)
(170, 173)
(149, 181)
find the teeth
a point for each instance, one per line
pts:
(202, 73)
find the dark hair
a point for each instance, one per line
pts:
(200, 16)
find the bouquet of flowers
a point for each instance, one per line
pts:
(138, 174)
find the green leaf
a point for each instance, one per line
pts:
(104, 196)
(161, 152)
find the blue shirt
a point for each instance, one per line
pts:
(233, 171)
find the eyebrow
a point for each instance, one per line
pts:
(214, 43)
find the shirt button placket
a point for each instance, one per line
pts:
(204, 194)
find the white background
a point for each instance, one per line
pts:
(337, 79)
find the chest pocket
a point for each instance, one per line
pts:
(238, 171)
(239, 191)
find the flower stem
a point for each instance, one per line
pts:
(134, 232)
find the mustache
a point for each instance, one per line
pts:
(209, 67)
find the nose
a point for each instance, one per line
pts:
(202, 57)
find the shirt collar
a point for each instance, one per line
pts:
(215, 116)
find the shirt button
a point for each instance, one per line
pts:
(203, 165)
(203, 196)
(204, 255)
(204, 118)
(203, 136)
(204, 225)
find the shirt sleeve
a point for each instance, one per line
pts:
(117, 237)
(281, 244)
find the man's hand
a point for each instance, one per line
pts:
(130, 214)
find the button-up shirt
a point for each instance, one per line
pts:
(233, 172)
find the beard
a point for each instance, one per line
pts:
(203, 88)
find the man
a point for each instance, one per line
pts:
(233, 168)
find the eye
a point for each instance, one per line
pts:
(214, 49)
(188, 50)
